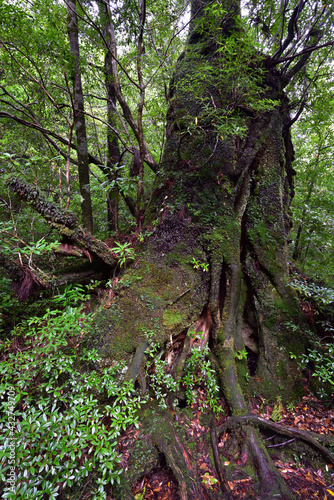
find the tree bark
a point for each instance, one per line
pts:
(114, 154)
(80, 123)
(237, 192)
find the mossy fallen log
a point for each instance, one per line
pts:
(64, 222)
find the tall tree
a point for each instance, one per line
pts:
(313, 137)
(79, 117)
(114, 154)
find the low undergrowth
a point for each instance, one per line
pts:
(60, 417)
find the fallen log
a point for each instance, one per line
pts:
(64, 222)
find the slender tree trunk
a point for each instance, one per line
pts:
(140, 50)
(112, 141)
(297, 249)
(113, 149)
(80, 124)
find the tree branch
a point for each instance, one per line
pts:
(291, 28)
(307, 50)
(64, 222)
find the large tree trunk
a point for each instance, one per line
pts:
(236, 191)
(233, 193)
(223, 203)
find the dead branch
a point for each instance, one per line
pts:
(24, 279)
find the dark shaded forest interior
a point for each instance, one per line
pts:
(168, 302)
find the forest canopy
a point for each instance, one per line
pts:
(166, 244)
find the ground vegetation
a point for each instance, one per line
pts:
(161, 318)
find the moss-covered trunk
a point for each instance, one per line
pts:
(233, 190)
(225, 187)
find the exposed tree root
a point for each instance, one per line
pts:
(135, 370)
(306, 436)
(271, 484)
(220, 471)
(170, 440)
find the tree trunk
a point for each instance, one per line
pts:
(222, 203)
(79, 116)
(234, 192)
(112, 141)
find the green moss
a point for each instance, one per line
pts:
(243, 375)
(172, 318)
(142, 459)
(281, 369)
(224, 241)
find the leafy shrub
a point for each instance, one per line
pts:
(64, 419)
(124, 252)
(321, 360)
(199, 371)
(319, 295)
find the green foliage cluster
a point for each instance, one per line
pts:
(124, 252)
(200, 265)
(313, 235)
(198, 374)
(24, 234)
(320, 295)
(319, 358)
(322, 357)
(67, 416)
(228, 83)
(14, 247)
(278, 410)
(36, 88)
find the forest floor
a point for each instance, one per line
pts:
(303, 479)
